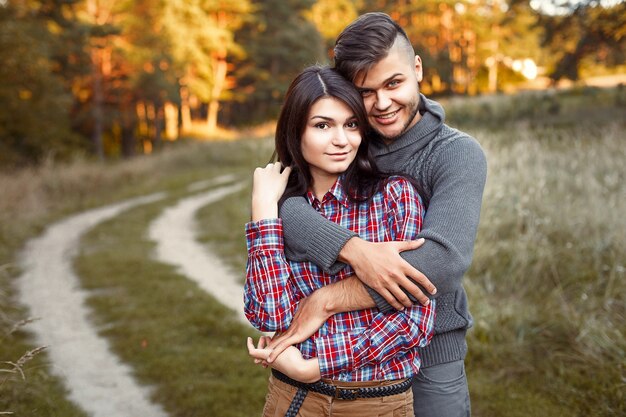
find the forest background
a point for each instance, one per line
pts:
(116, 78)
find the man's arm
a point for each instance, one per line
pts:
(387, 336)
(309, 236)
(450, 224)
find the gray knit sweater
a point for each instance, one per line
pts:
(451, 169)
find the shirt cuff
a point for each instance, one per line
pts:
(265, 235)
(335, 353)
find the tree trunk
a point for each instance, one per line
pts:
(158, 126)
(185, 108)
(97, 111)
(171, 121)
(220, 70)
(129, 122)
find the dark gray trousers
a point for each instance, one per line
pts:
(441, 391)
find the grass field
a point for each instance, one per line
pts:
(546, 287)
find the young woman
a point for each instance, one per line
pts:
(358, 362)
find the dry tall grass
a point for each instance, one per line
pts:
(547, 285)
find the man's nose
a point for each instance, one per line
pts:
(382, 100)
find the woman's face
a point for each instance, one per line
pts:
(330, 140)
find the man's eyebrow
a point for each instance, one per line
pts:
(362, 89)
(392, 77)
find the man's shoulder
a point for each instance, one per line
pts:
(450, 134)
(452, 141)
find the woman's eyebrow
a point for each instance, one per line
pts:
(330, 119)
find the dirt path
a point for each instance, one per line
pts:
(97, 381)
(175, 235)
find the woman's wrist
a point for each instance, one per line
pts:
(264, 209)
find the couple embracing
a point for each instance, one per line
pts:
(359, 239)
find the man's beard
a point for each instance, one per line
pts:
(414, 107)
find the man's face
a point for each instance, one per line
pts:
(390, 92)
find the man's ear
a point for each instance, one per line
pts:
(419, 73)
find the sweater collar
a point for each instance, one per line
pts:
(433, 117)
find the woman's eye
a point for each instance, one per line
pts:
(322, 126)
(352, 125)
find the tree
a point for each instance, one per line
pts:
(330, 17)
(147, 77)
(280, 41)
(35, 117)
(201, 34)
(586, 30)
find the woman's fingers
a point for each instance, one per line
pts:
(259, 353)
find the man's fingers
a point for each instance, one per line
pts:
(390, 298)
(277, 339)
(280, 348)
(415, 291)
(420, 279)
(401, 296)
(409, 244)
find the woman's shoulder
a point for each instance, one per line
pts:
(398, 184)
(398, 188)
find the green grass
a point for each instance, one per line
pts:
(178, 338)
(33, 198)
(223, 230)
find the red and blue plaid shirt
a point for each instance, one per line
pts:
(361, 345)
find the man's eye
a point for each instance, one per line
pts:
(366, 93)
(393, 83)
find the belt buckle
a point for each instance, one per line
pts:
(348, 394)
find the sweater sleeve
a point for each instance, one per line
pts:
(458, 178)
(309, 236)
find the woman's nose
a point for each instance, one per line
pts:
(340, 138)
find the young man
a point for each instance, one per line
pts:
(375, 53)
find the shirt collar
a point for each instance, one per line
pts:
(337, 192)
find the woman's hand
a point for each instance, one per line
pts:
(268, 186)
(290, 362)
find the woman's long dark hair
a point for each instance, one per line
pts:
(362, 178)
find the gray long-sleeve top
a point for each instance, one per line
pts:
(451, 169)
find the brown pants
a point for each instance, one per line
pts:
(279, 397)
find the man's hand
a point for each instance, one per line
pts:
(310, 316)
(348, 294)
(380, 266)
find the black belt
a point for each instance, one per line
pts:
(322, 387)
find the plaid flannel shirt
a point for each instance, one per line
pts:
(361, 345)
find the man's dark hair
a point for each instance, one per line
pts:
(366, 41)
